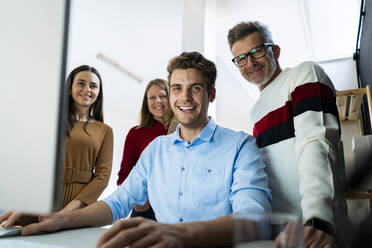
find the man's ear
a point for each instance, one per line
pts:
(212, 94)
(276, 50)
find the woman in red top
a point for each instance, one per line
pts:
(155, 118)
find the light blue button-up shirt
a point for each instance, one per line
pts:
(218, 173)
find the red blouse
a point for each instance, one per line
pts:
(135, 142)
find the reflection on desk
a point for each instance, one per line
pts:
(257, 244)
(83, 238)
(77, 238)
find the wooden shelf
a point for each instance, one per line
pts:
(349, 104)
(358, 195)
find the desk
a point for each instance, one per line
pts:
(257, 244)
(87, 238)
(77, 238)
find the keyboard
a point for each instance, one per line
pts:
(17, 243)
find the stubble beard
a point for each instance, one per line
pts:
(268, 76)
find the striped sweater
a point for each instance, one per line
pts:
(297, 129)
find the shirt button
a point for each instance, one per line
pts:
(182, 168)
(181, 219)
(180, 193)
(209, 170)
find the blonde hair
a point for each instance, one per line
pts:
(146, 118)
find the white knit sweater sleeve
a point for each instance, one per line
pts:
(317, 135)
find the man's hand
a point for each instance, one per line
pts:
(50, 223)
(96, 214)
(312, 238)
(13, 218)
(316, 238)
(32, 224)
(140, 232)
(290, 237)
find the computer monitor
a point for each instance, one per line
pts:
(33, 48)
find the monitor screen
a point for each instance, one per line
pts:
(33, 48)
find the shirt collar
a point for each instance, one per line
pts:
(206, 134)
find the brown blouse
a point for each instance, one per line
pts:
(88, 162)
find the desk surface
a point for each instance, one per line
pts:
(86, 237)
(257, 244)
(77, 238)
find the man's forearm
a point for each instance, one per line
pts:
(97, 214)
(218, 232)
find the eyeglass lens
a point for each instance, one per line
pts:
(255, 53)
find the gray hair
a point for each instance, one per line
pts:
(242, 29)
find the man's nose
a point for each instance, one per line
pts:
(186, 94)
(250, 61)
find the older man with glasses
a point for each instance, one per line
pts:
(296, 126)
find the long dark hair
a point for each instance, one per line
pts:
(146, 118)
(95, 110)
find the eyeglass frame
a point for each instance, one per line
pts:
(250, 52)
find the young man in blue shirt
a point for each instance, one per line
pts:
(194, 178)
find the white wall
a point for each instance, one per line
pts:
(342, 71)
(193, 25)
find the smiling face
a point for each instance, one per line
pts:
(257, 71)
(85, 89)
(189, 98)
(157, 102)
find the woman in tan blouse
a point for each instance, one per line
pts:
(88, 143)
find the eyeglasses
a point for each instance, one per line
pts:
(255, 53)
